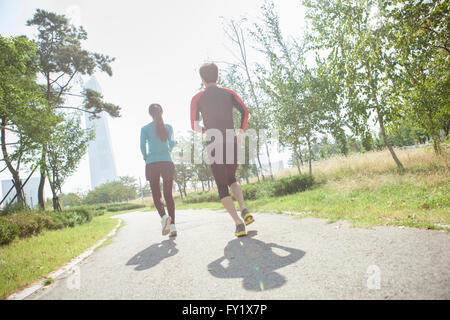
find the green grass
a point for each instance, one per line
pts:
(109, 240)
(24, 261)
(396, 203)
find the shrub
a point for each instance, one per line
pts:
(123, 206)
(27, 223)
(8, 231)
(254, 191)
(289, 185)
(84, 214)
(201, 197)
(11, 208)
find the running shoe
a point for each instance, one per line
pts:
(173, 231)
(246, 215)
(240, 230)
(165, 223)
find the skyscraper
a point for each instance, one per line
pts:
(101, 159)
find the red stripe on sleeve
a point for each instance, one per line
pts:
(194, 102)
(239, 100)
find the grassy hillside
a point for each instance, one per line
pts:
(367, 189)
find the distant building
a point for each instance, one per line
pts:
(30, 191)
(101, 159)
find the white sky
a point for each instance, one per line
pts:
(158, 46)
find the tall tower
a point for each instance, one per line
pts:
(101, 158)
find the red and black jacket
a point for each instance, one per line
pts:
(216, 107)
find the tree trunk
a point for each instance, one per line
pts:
(386, 141)
(268, 159)
(179, 190)
(310, 156)
(42, 181)
(297, 157)
(245, 173)
(15, 173)
(434, 134)
(436, 144)
(259, 160)
(55, 198)
(381, 122)
(257, 175)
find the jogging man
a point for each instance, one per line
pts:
(215, 105)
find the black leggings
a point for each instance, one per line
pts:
(225, 172)
(166, 170)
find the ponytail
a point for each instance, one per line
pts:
(155, 111)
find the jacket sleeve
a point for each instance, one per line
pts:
(240, 105)
(195, 114)
(143, 144)
(172, 142)
(242, 108)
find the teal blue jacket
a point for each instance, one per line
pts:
(157, 149)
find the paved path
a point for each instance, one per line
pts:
(282, 258)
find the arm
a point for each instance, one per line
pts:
(143, 144)
(242, 108)
(171, 139)
(195, 114)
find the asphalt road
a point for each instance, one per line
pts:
(283, 257)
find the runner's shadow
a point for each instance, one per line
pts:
(255, 262)
(153, 255)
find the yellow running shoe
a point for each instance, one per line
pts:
(240, 230)
(246, 215)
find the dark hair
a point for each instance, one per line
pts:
(209, 72)
(155, 111)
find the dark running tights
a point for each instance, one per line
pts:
(153, 172)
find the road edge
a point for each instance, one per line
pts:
(29, 290)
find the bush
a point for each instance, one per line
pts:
(114, 207)
(201, 197)
(8, 231)
(294, 184)
(253, 191)
(84, 214)
(11, 208)
(27, 223)
(99, 209)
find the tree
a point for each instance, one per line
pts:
(289, 84)
(355, 36)
(70, 199)
(22, 115)
(419, 35)
(67, 146)
(116, 191)
(260, 119)
(61, 59)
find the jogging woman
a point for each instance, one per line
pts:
(158, 137)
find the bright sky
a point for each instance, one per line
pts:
(158, 46)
